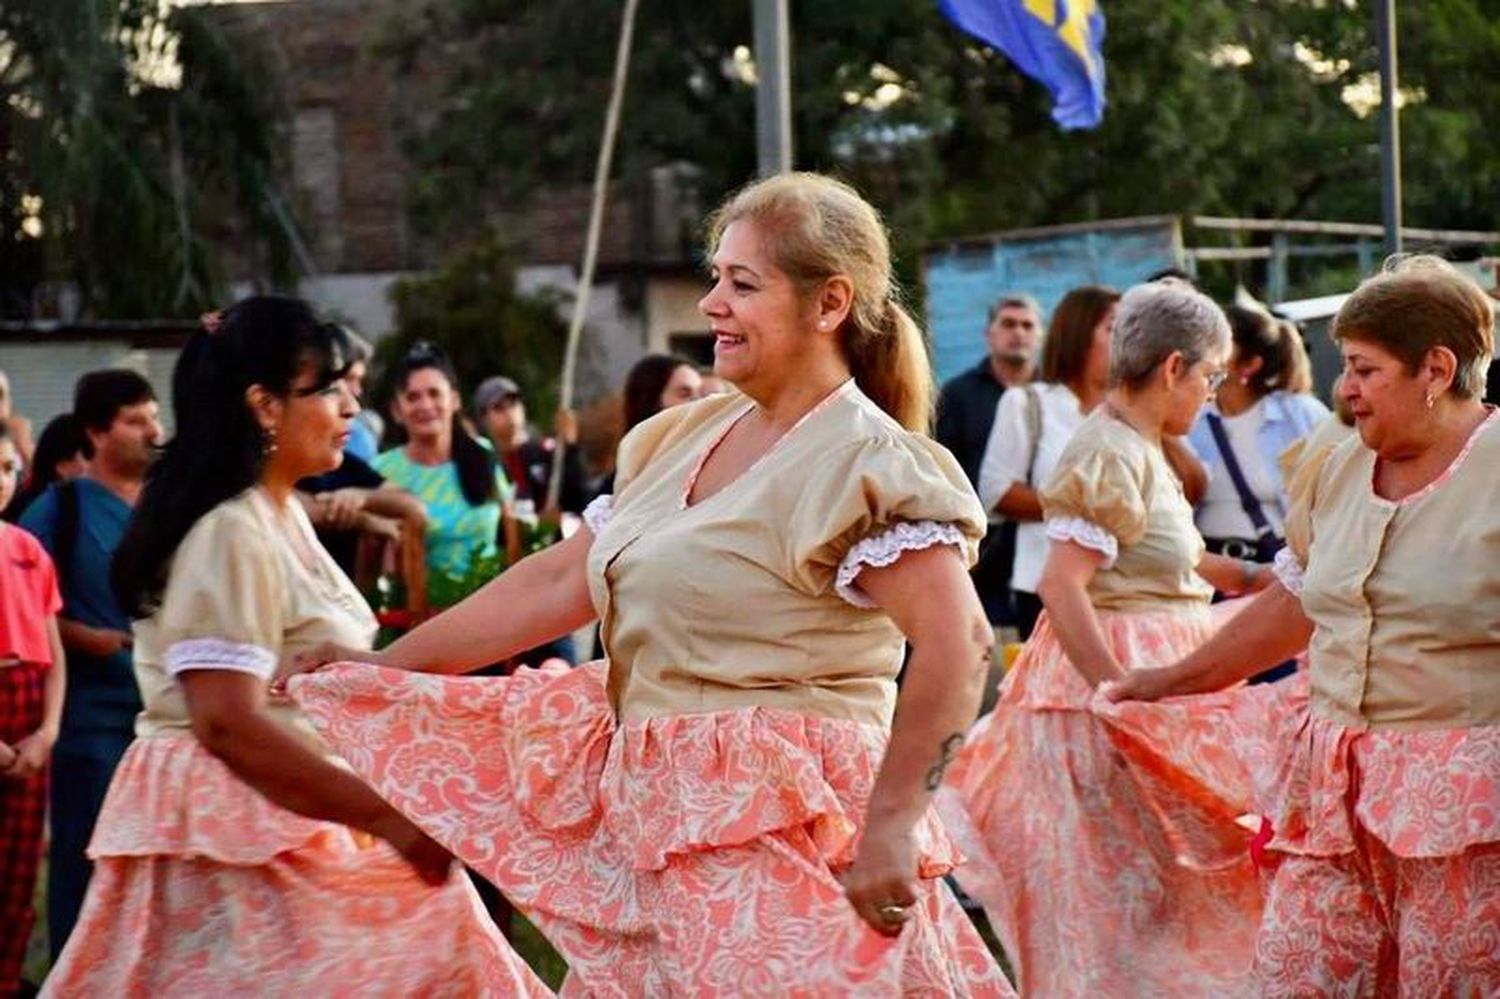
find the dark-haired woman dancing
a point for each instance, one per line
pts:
(233, 855)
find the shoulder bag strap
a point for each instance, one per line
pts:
(1034, 430)
(1248, 501)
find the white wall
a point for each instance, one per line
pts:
(42, 374)
(361, 300)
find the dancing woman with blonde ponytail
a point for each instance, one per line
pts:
(759, 561)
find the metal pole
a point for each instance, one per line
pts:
(1390, 128)
(773, 90)
(591, 238)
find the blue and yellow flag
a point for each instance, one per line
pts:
(1056, 42)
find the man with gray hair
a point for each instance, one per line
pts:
(966, 412)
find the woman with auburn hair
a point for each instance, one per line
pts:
(1377, 764)
(725, 806)
(1101, 877)
(1033, 423)
(656, 382)
(233, 855)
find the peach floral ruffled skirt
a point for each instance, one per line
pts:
(202, 887)
(1384, 848)
(1103, 876)
(688, 855)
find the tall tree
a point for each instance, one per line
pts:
(130, 133)
(1215, 106)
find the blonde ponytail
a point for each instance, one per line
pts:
(890, 365)
(817, 227)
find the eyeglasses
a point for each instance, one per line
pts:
(1215, 379)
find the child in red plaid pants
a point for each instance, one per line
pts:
(31, 696)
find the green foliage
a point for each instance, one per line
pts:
(470, 307)
(137, 169)
(446, 589)
(1216, 107)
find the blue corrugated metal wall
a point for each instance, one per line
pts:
(964, 281)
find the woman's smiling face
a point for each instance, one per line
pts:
(762, 323)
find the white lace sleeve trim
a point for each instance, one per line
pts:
(597, 513)
(1086, 533)
(1288, 571)
(885, 548)
(216, 653)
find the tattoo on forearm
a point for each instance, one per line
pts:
(946, 752)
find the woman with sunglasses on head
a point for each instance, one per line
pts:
(1241, 435)
(1098, 878)
(233, 854)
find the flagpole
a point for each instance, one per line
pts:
(773, 88)
(1390, 127)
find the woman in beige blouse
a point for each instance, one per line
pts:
(1382, 772)
(734, 803)
(233, 855)
(1099, 877)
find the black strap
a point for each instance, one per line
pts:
(65, 536)
(1248, 501)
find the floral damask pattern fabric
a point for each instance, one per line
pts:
(1102, 876)
(1373, 924)
(1418, 792)
(202, 887)
(1384, 847)
(684, 855)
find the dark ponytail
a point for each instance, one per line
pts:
(475, 464)
(1256, 333)
(219, 447)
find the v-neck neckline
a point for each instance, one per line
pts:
(1447, 473)
(685, 501)
(320, 573)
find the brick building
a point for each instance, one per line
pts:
(351, 183)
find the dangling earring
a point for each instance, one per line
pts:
(268, 441)
(1431, 401)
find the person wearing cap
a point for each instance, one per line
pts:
(526, 457)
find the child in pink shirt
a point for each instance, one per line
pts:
(32, 678)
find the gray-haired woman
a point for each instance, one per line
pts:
(1100, 875)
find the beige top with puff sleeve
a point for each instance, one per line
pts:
(1404, 596)
(1114, 492)
(735, 601)
(239, 598)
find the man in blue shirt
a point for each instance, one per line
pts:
(81, 524)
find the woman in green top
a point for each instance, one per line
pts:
(464, 489)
